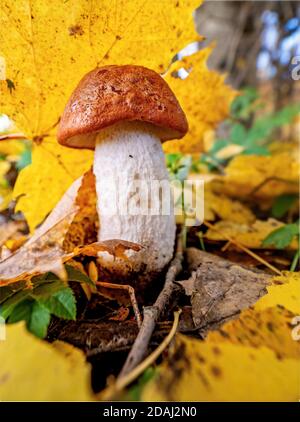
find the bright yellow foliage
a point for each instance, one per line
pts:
(262, 177)
(32, 369)
(11, 148)
(270, 327)
(219, 205)
(205, 371)
(51, 45)
(41, 184)
(203, 96)
(287, 294)
(251, 358)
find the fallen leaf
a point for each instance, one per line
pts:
(33, 370)
(46, 255)
(271, 327)
(220, 289)
(286, 294)
(218, 205)
(249, 235)
(121, 314)
(84, 228)
(206, 371)
(262, 177)
(50, 245)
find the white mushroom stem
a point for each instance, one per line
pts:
(128, 163)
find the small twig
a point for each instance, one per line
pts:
(152, 314)
(244, 248)
(127, 379)
(226, 246)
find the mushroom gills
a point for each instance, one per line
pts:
(134, 201)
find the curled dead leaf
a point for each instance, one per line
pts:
(53, 243)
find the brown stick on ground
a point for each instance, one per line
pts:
(152, 314)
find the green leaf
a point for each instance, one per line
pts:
(39, 321)
(75, 275)
(238, 134)
(22, 311)
(37, 317)
(264, 126)
(243, 105)
(10, 290)
(8, 305)
(46, 289)
(282, 204)
(179, 166)
(282, 237)
(62, 303)
(172, 159)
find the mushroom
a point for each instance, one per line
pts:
(124, 113)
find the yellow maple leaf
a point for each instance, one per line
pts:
(5, 197)
(203, 96)
(41, 184)
(12, 148)
(206, 371)
(32, 369)
(50, 46)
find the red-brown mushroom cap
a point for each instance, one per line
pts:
(110, 94)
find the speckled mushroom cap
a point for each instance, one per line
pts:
(110, 94)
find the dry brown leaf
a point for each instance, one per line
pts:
(220, 289)
(39, 256)
(46, 255)
(9, 230)
(61, 237)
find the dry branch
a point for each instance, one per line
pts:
(152, 315)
